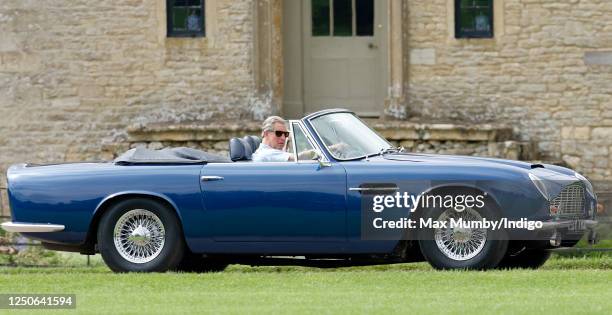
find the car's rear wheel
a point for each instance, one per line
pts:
(525, 259)
(462, 248)
(140, 235)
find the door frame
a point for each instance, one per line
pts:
(269, 57)
(381, 42)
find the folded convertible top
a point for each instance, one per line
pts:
(180, 155)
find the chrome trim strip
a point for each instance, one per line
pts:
(210, 178)
(293, 145)
(31, 227)
(327, 111)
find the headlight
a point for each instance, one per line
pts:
(537, 182)
(587, 184)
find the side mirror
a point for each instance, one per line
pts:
(319, 157)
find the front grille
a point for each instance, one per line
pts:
(570, 201)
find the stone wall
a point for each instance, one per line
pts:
(547, 72)
(73, 73)
(479, 140)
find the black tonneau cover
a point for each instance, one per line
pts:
(180, 155)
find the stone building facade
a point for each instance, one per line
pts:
(83, 80)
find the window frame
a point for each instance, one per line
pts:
(331, 21)
(170, 23)
(459, 34)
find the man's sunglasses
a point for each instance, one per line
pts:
(279, 133)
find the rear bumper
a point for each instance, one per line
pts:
(20, 227)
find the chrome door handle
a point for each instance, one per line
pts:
(373, 188)
(210, 178)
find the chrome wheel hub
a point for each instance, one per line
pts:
(462, 235)
(139, 236)
(460, 243)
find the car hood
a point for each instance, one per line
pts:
(552, 172)
(457, 159)
(554, 178)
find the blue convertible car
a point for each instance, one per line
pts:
(351, 202)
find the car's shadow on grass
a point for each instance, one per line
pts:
(603, 262)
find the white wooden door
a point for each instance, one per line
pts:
(344, 51)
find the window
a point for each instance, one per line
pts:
(343, 18)
(186, 18)
(303, 147)
(473, 18)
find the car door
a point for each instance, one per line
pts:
(364, 181)
(275, 201)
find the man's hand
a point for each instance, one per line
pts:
(307, 155)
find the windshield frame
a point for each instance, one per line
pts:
(309, 137)
(321, 144)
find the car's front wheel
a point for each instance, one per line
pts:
(140, 235)
(462, 248)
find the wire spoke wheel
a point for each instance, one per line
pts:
(460, 243)
(139, 236)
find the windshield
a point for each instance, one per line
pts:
(347, 137)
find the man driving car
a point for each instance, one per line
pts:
(274, 137)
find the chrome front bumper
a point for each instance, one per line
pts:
(561, 228)
(576, 224)
(31, 227)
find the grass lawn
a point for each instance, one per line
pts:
(563, 285)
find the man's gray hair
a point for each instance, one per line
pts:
(268, 124)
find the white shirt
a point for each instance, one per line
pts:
(266, 153)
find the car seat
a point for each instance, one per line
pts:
(241, 149)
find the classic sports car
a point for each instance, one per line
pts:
(188, 210)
